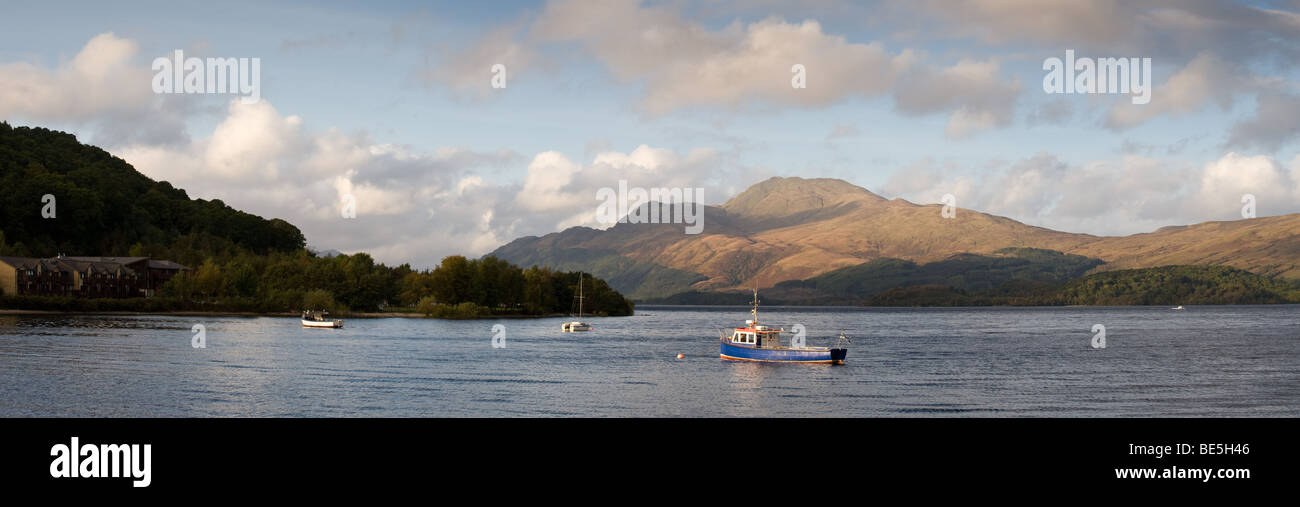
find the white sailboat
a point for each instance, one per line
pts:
(577, 325)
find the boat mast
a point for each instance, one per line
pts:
(754, 311)
(579, 295)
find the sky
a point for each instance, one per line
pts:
(389, 108)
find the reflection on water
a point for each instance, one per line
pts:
(1205, 361)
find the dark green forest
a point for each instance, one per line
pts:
(238, 261)
(1165, 285)
(1019, 272)
(970, 272)
(105, 207)
(1170, 285)
(1014, 277)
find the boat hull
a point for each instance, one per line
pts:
(575, 327)
(327, 323)
(822, 355)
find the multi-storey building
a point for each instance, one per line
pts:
(91, 277)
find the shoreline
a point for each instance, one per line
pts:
(412, 315)
(356, 315)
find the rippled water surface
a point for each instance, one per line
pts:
(1204, 361)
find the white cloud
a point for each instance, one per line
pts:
(973, 90)
(1220, 49)
(1168, 31)
(1276, 122)
(681, 63)
(1122, 196)
(566, 191)
(410, 206)
(842, 130)
(1206, 79)
(684, 64)
(468, 71)
(1225, 181)
(545, 186)
(1056, 21)
(252, 143)
(99, 78)
(99, 86)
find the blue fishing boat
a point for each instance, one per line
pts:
(762, 343)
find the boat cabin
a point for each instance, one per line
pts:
(757, 336)
(762, 343)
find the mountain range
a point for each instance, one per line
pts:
(803, 241)
(796, 229)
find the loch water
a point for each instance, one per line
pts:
(1204, 361)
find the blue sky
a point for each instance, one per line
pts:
(440, 163)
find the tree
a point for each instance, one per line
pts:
(319, 300)
(242, 279)
(452, 280)
(427, 305)
(208, 280)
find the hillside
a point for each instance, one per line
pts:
(1010, 269)
(103, 206)
(1165, 285)
(1171, 285)
(238, 261)
(785, 229)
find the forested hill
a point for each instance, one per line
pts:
(238, 261)
(103, 206)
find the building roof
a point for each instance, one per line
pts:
(18, 262)
(111, 260)
(86, 264)
(53, 264)
(160, 264)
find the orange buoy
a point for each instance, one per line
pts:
(681, 356)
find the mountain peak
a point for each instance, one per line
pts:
(779, 196)
(784, 229)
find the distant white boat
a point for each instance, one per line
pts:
(577, 326)
(1180, 307)
(317, 319)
